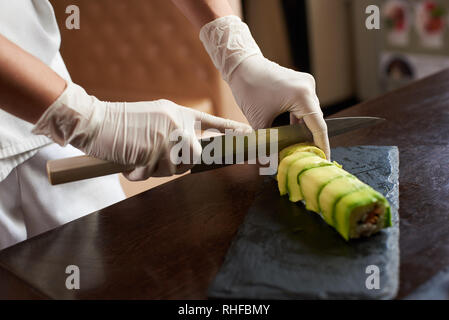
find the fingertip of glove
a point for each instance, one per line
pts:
(243, 129)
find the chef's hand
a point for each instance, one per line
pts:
(135, 134)
(262, 88)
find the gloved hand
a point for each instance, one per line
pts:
(262, 88)
(134, 134)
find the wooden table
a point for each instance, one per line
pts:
(170, 241)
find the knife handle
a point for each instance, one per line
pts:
(79, 168)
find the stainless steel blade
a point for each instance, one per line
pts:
(287, 135)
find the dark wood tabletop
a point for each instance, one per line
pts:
(169, 242)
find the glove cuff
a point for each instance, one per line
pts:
(228, 42)
(73, 118)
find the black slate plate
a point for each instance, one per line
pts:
(283, 251)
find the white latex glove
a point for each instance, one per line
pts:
(262, 88)
(134, 134)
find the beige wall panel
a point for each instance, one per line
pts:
(331, 49)
(266, 21)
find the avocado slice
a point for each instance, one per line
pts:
(311, 181)
(333, 191)
(298, 167)
(301, 147)
(361, 213)
(283, 168)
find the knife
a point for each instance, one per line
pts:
(84, 167)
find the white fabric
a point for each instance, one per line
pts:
(29, 205)
(30, 24)
(262, 88)
(135, 134)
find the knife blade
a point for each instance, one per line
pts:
(85, 167)
(286, 136)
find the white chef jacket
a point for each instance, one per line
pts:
(29, 205)
(31, 24)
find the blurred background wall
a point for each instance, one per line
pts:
(328, 38)
(332, 57)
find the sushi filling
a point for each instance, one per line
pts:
(367, 220)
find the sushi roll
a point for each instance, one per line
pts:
(347, 204)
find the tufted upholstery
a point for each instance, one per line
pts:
(136, 50)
